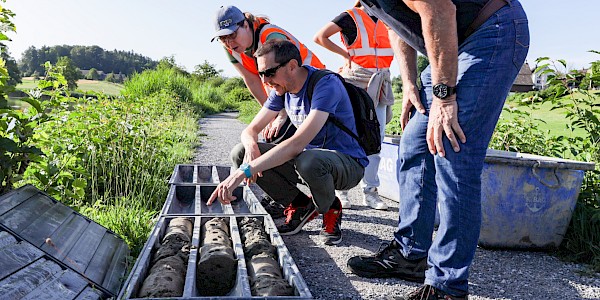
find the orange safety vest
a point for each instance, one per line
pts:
(308, 58)
(371, 48)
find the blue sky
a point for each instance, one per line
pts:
(183, 28)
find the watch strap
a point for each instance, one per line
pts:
(246, 169)
(451, 91)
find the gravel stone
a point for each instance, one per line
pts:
(495, 274)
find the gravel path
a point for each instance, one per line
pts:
(494, 274)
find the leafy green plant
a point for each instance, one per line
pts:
(69, 71)
(394, 127)
(206, 71)
(92, 74)
(520, 133)
(208, 98)
(215, 81)
(248, 110)
(165, 78)
(18, 151)
(16, 126)
(58, 172)
(232, 83)
(12, 68)
(237, 95)
(523, 98)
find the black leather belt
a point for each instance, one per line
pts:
(485, 13)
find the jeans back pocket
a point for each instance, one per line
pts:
(521, 42)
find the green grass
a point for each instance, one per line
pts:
(108, 88)
(27, 84)
(248, 109)
(128, 218)
(394, 126)
(552, 121)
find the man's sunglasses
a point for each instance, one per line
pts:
(271, 72)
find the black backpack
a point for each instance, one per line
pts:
(365, 117)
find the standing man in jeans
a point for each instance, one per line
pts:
(319, 154)
(476, 49)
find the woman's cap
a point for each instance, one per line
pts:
(226, 20)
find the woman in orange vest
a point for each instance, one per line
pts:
(241, 34)
(368, 57)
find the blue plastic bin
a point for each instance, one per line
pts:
(388, 182)
(526, 200)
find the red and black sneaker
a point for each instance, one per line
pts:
(272, 207)
(331, 232)
(296, 217)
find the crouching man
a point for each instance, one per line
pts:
(319, 154)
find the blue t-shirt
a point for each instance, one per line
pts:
(329, 96)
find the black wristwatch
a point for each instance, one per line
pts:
(443, 91)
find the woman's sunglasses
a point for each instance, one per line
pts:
(230, 37)
(271, 72)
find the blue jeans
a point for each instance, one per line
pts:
(488, 62)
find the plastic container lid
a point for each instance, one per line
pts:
(531, 160)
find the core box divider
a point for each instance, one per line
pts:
(191, 199)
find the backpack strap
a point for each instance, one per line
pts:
(257, 38)
(257, 32)
(313, 79)
(310, 87)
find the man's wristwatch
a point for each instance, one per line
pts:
(442, 91)
(245, 167)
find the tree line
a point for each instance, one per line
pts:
(85, 58)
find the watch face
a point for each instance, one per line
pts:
(440, 90)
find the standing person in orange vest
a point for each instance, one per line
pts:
(368, 57)
(241, 34)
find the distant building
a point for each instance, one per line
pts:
(524, 81)
(578, 75)
(540, 79)
(102, 76)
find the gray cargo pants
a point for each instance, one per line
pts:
(322, 170)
